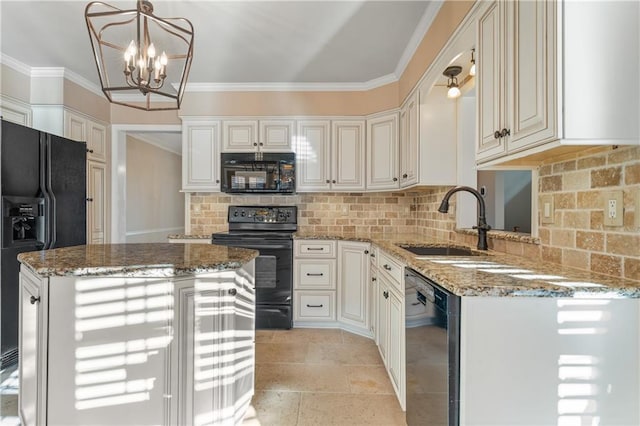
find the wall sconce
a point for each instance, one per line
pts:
(472, 70)
(452, 82)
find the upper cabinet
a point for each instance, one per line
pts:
(539, 86)
(330, 155)
(257, 136)
(81, 128)
(409, 141)
(382, 152)
(200, 155)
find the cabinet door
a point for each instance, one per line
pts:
(353, 283)
(75, 126)
(382, 152)
(96, 141)
(200, 156)
(97, 203)
(409, 142)
(32, 356)
(313, 160)
(239, 136)
(531, 72)
(382, 307)
(395, 359)
(275, 135)
(490, 81)
(348, 156)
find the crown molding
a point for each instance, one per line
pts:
(418, 35)
(14, 64)
(290, 87)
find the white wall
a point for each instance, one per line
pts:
(154, 203)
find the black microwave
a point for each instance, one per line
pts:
(261, 172)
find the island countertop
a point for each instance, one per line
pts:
(136, 260)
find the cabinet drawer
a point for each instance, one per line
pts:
(392, 268)
(317, 306)
(314, 274)
(315, 248)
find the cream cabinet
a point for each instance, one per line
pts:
(200, 156)
(390, 311)
(97, 185)
(84, 129)
(536, 65)
(353, 284)
(15, 111)
(409, 141)
(271, 135)
(330, 155)
(314, 282)
(382, 152)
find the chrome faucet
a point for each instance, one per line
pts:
(482, 219)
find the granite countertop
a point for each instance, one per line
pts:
(494, 274)
(136, 260)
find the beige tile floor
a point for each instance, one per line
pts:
(320, 377)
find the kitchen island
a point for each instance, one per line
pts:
(136, 334)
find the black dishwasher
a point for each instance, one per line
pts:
(432, 355)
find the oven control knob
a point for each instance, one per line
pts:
(243, 214)
(235, 214)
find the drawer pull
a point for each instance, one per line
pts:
(34, 300)
(315, 248)
(416, 304)
(314, 306)
(309, 274)
(387, 267)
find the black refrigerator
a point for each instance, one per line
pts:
(43, 190)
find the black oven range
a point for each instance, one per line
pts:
(268, 229)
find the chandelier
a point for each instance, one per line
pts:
(143, 61)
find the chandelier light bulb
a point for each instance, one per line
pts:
(151, 51)
(132, 49)
(163, 59)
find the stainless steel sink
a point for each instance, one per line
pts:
(440, 250)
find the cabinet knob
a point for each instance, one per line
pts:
(90, 151)
(373, 255)
(366, 252)
(233, 292)
(387, 267)
(328, 181)
(217, 180)
(496, 134)
(395, 179)
(374, 279)
(385, 294)
(333, 181)
(34, 300)
(261, 144)
(255, 144)
(505, 132)
(404, 176)
(90, 199)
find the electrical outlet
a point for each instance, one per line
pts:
(636, 208)
(344, 211)
(546, 209)
(613, 208)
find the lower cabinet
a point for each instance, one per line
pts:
(97, 203)
(353, 288)
(314, 283)
(136, 350)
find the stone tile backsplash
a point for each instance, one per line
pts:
(578, 236)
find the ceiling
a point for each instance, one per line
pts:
(348, 42)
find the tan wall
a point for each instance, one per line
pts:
(154, 200)
(15, 84)
(449, 17)
(86, 101)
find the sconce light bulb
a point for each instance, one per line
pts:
(453, 92)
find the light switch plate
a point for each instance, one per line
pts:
(546, 209)
(613, 208)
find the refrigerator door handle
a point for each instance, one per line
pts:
(44, 190)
